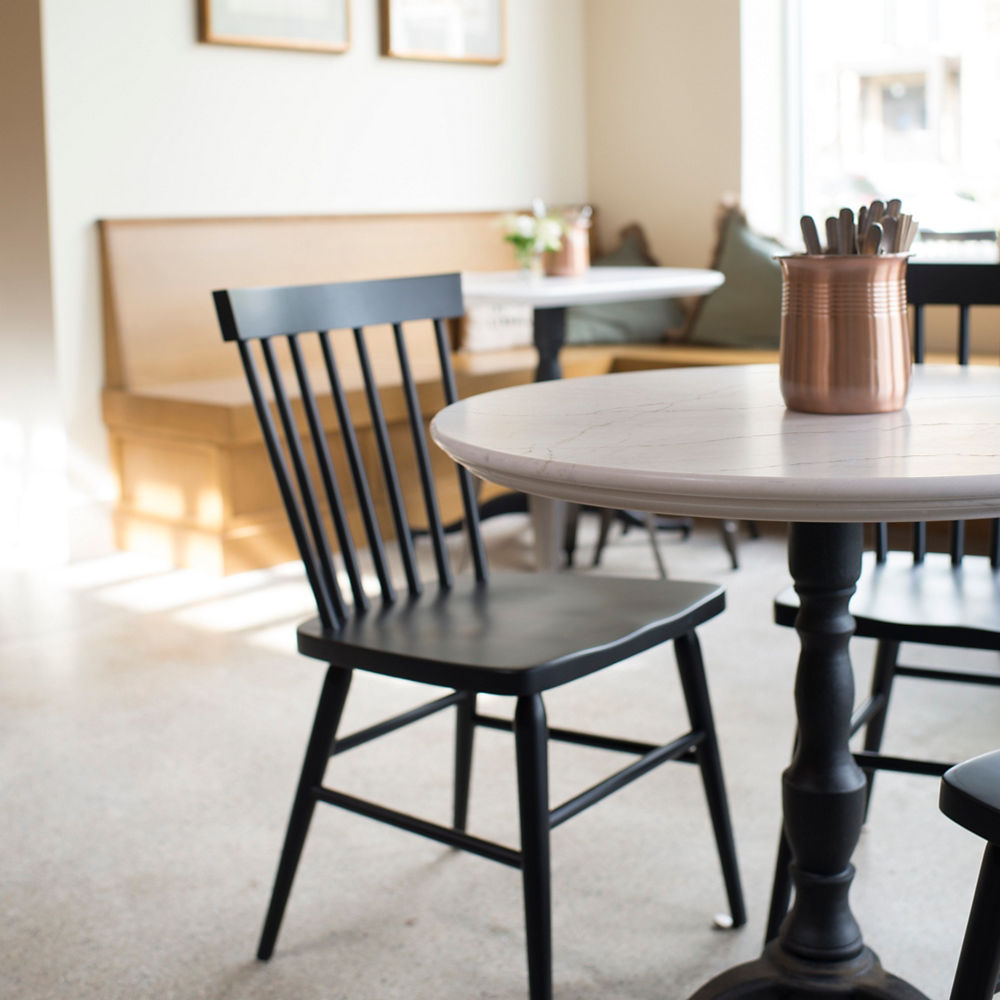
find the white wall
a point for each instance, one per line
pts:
(663, 117)
(141, 120)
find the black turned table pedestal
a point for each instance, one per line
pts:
(819, 951)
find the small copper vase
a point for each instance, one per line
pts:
(845, 342)
(573, 257)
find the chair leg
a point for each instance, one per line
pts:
(570, 531)
(730, 539)
(781, 887)
(328, 712)
(465, 728)
(692, 673)
(607, 516)
(531, 743)
(781, 890)
(979, 961)
(886, 657)
(661, 566)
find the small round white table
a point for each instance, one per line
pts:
(719, 442)
(550, 296)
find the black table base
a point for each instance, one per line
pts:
(819, 951)
(779, 976)
(549, 332)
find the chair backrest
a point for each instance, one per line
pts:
(305, 318)
(963, 286)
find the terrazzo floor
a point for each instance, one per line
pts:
(151, 726)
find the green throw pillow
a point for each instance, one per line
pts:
(623, 322)
(746, 310)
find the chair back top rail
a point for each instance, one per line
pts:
(254, 313)
(299, 450)
(953, 284)
(961, 285)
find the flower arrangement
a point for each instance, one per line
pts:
(532, 235)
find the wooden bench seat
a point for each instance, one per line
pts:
(195, 483)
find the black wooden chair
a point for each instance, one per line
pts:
(505, 634)
(970, 795)
(935, 598)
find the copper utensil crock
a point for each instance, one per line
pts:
(845, 344)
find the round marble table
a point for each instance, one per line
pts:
(719, 442)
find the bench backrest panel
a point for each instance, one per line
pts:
(159, 274)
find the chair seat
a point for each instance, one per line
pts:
(970, 795)
(933, 602)
(521, 634)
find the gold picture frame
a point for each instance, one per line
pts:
(464, 31)
(307, 25)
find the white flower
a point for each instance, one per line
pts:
(549, 234)
(524, 225)
(533, 234)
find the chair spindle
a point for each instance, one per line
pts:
(403, 534)
(328, 475)
(468, 492)
(362, 488)
(307, 492)
(327, 612)
(918, 334)
(881, 541)
(957, 542)
(963, 334)
(416, 419)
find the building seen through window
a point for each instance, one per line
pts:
(892, 98)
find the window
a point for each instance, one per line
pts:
(877, 98)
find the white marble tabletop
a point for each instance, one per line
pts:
(719, 442)
(598, 284)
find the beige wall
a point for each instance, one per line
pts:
(32, 446)
(663, 118)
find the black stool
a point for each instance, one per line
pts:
(970, 795)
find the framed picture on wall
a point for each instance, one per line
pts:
(472, 31)
(314, 25)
